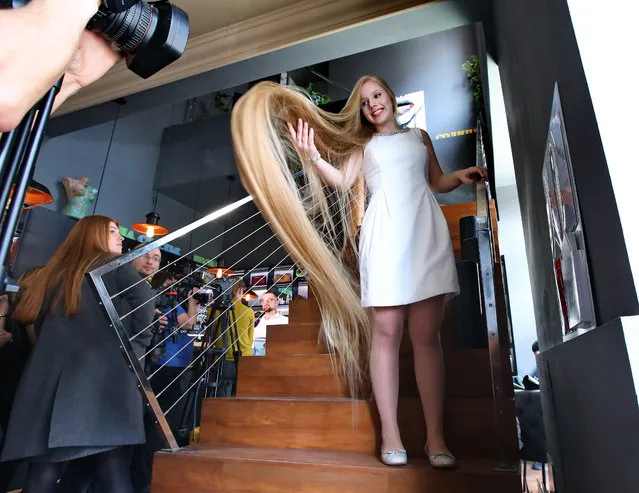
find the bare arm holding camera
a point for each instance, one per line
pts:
(30, 62)
(187, 320)
(48, 38)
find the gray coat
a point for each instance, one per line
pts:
(76, 390)
(139, 320)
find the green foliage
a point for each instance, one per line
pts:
(473, 73)
(317, 97)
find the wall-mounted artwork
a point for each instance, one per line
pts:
(258, 278)
(302, 290)
(411, 110)
(570, 261)
(80, 196)
(283, 275)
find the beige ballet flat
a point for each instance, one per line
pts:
(441, 461)
(394, 457)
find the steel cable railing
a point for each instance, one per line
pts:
(226, 331)
(115, 320)
(223, 354)
(486, 247)
(220, 295)
(176, 283)
(210, 282)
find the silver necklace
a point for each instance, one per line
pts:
(388, 134)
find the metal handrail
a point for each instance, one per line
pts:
(96, 281)
(485, 242)
(114, 319)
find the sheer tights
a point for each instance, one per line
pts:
(109, 471)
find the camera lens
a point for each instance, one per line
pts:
(128, 29)
(151, 36)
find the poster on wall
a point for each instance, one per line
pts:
(570, 262)
(258, 278)
(411, 110)
(302, 290)
(283, 275)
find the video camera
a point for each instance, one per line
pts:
(151, 35)
(207, 293)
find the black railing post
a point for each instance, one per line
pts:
(485, 242)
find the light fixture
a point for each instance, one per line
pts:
(250, 295)
(151, 227)
(37, 194)
(220, 270)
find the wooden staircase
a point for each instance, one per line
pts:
(292, 427)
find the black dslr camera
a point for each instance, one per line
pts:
(195, 280)
(151, 35)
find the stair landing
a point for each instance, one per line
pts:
(208, 468)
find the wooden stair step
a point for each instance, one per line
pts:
(302, 338)
(343, 424)
(304, 311)
(289, 376)
(467, 374)
(208, 468)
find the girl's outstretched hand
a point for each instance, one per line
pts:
(304, 139)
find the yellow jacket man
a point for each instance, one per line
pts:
(241, 324)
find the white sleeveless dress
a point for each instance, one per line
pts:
(405, 251)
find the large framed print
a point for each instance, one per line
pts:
(570, 260)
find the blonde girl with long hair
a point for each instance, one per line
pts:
(277, 130)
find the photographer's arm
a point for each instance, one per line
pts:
(93, 58)
(187, 320)
(30, 60)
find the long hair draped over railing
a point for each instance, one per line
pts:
(227, 332)
(267, 159)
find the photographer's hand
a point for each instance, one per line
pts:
(162, 319)
(30, 61)
(187, 320)
(93, 58)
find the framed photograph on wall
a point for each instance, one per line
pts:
(302, 289)
(567, 243)
(258, 278)
(284, 293)
(283, 275)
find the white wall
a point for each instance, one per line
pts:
(511, 231)
(606, 39)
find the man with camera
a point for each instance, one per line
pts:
(169, 318)
(271, 316)
(174, 351)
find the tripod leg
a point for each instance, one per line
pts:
(27, 163)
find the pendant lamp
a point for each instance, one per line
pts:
(220, 270)
(250, 295)
(37, 194)
(151, 227)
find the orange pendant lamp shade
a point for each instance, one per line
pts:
(151, 227)
(37, 194)
(220, 270)
(250, 295)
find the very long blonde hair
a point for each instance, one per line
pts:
(300, 211)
